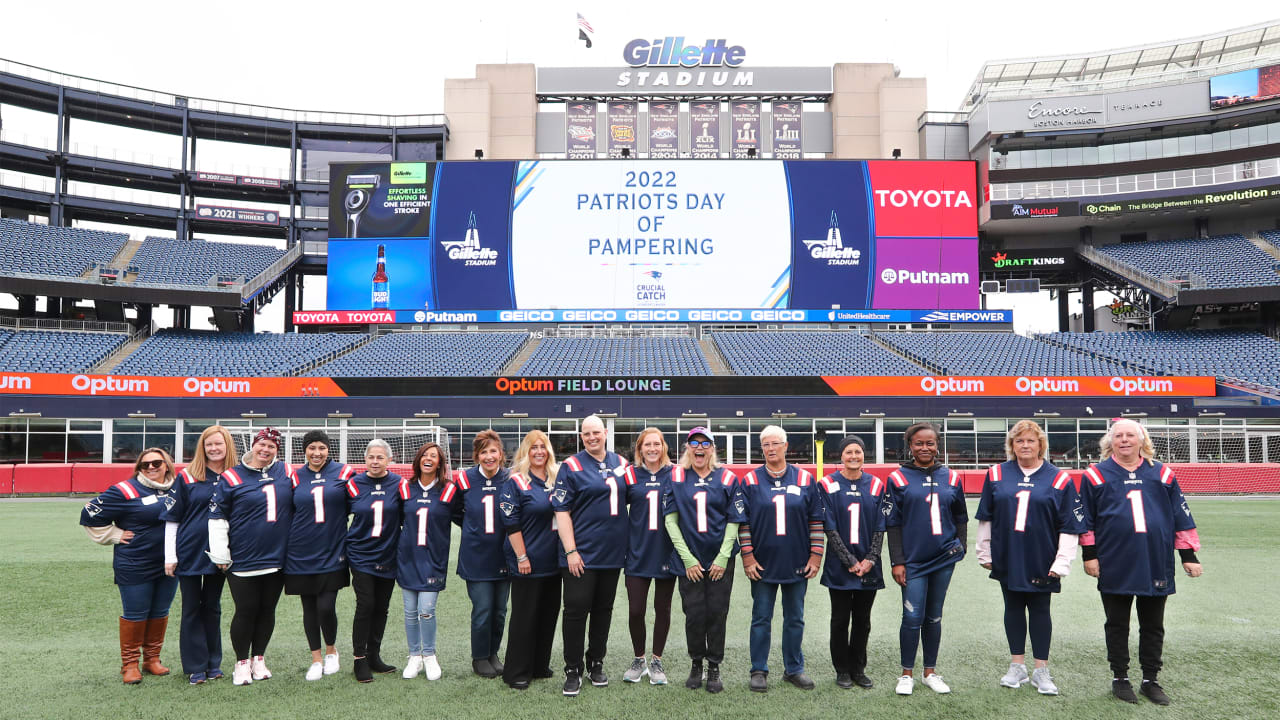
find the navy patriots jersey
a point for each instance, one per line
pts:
(1027, 513)
(318, 533)
(375, 524)
(258, 508)
(130, 505)
(480, 555)
(191, 511)
(927, 506)
(1133, 517)
(648, 547)
(779, 511)
(706, 506)
(425, 533)
(853, 511)
(591, 492)
(526, 506)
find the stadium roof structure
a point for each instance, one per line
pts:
(1156, 63)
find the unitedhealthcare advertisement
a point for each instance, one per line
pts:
(657, 240)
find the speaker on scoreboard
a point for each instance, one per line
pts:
(990, 286)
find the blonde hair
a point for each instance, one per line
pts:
(639, 457)
(520, 464)
(200, 463)
(686, 460)
(168, 462)
(1023, 426)
(1147, 450)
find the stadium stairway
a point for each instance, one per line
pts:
(347, 351)
(109, 363)
(520, 358)
(1266, 246)
(714, 359)
(908, 356)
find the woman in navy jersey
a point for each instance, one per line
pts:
(592, 524)
(926, 521)
(703, 506)
(372, 540)
(186, 541)
(852, 573)
(1029, 523)
(532, 552)
(428, 498)
(128, 517)
(316, 566)
(1135, 517)
(781, 543)
(249, 518)
(648, 554)
(480, 560)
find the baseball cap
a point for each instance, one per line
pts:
(701, 431)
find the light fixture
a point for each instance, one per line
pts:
(606, 415)
(1041, 413)
(515, 415)
(781, 414)
(626, 153)
(1133, 414)
(141, 415)
(23, 413)
(1203, 413)
(871, 414)
(897, 153)
(252, 415)
(425, 414)
(339, 415)
(689, 414)
(479, 154)
(957, 413)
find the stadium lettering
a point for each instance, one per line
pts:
(743, 78)
(1035, 386)
(945, 385)
(650, 246)
(216, 386)
(511, 386)
(527, 316)
(672, 52)
(714, 315)
(110, 383)
(788, 315)
(652, 315)
(928, 198)
(1145, 386)
(15, 382)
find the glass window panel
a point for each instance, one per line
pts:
(1090, 156)
(1075, 188)
(1221, 140)
(1257, 135)
(1204, 176)
(126, 446)
(1091, 186)
(1204, 143)
(960, 449)
(1075, 156)
(1146, 181)
(1122, 152)
(1187, 145)
(1137, 150)
(1169, 147)
(86, 447)
(1044, 158)
(1273, 132)
(13, 447)
(47, 448)
(1126, 183)
(85, 425)
(1106, 154)
(1164, 180)
(990, 448)
(1239, 138)
(1155, 149)
(1109, 185)
(48, 424)
(1183, 178)
(1059, 157)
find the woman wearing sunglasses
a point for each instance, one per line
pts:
(128, 517)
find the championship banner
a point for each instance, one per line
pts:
(704, 130)
(580, 124)
(664, 130)
(745, 116)
(787, 140)
(219, 213)
(623, 118)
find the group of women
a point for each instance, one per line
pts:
(548, 538)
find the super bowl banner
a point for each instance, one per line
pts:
(704, 129)
(664, 130)
(746, 129)
(786, 130)
(580, 129)
(795, 238)
(623, 119)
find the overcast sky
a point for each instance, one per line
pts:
(393, 58)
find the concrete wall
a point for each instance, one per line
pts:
(874, 111)
(495, 111)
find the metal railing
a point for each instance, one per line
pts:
(272, 272)
(1160, 286)
(57, 324)
(1119, 185)
(942, 117)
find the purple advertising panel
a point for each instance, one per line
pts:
(746, 128)
(786, 130)
(664, 137)
(704, 129)
(926, 273)
(624, 116)
(580, 124)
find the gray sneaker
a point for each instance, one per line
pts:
(635, 672)
(1017, 676)
(1042, 682)
(657, 675)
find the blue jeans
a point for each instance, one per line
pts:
(420, 621)
(763, 595)
(148, 600)
(922, 600)
(488, 616)
(201, 638)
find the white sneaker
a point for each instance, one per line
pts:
(1042, 682)
(905, 684)
(260, 671)
(1016, 676)
(413, 667)
(331, 664)
(432, 666)
(934, 682)
(636, 671)
(316, 671)
(243, 674)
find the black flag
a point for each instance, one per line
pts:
(582, 35)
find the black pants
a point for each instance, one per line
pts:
(320, 616)
(535, 610)
(850, 628)
(373, 596)
(201, 640)
(592, 594)
(706, 610)
(1025, 611)
(1150, 633)
(255, 617)
(637, 600)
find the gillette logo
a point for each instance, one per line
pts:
(672, 52)
(889, 276)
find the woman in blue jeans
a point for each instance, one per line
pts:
(481, 561)
(422, 565)
(127, 516)
(925, 522)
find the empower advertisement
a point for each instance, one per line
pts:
(531, 241)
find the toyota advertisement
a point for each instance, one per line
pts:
(658, 240)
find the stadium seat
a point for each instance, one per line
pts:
(207, 353)
(1227, 354)
(197, 262)
(46, 250)
(1221, 261)
(428, 354)
(55, 351)
(560, 356)
(809, 353)
(996, 353)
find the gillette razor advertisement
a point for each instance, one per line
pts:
(381, 200)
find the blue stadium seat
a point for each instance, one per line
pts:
(559, 356)
(55, 351)
(1222, 261)
(996, 353)
(46, 250)
(195, 262)
(209, 353)
(428, 354)
(1239, 354)
(809, 353)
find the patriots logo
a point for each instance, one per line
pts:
(740, 506)
(213, 506)
(560, 495)
(1186, 509)
(888, 508)
(1078, 509)
(169, 500)
(93, 507)
(655, 274)
(507, 508)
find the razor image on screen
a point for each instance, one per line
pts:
(359, 192)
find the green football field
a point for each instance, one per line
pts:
(61, 659)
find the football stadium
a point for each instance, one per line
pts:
(675, 258)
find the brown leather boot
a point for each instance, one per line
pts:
(131, 634)
(152, 641)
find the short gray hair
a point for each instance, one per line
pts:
(379, 443)
(773, 431)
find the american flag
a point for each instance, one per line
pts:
(582, 23)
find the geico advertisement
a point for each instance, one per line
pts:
(139, 386)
